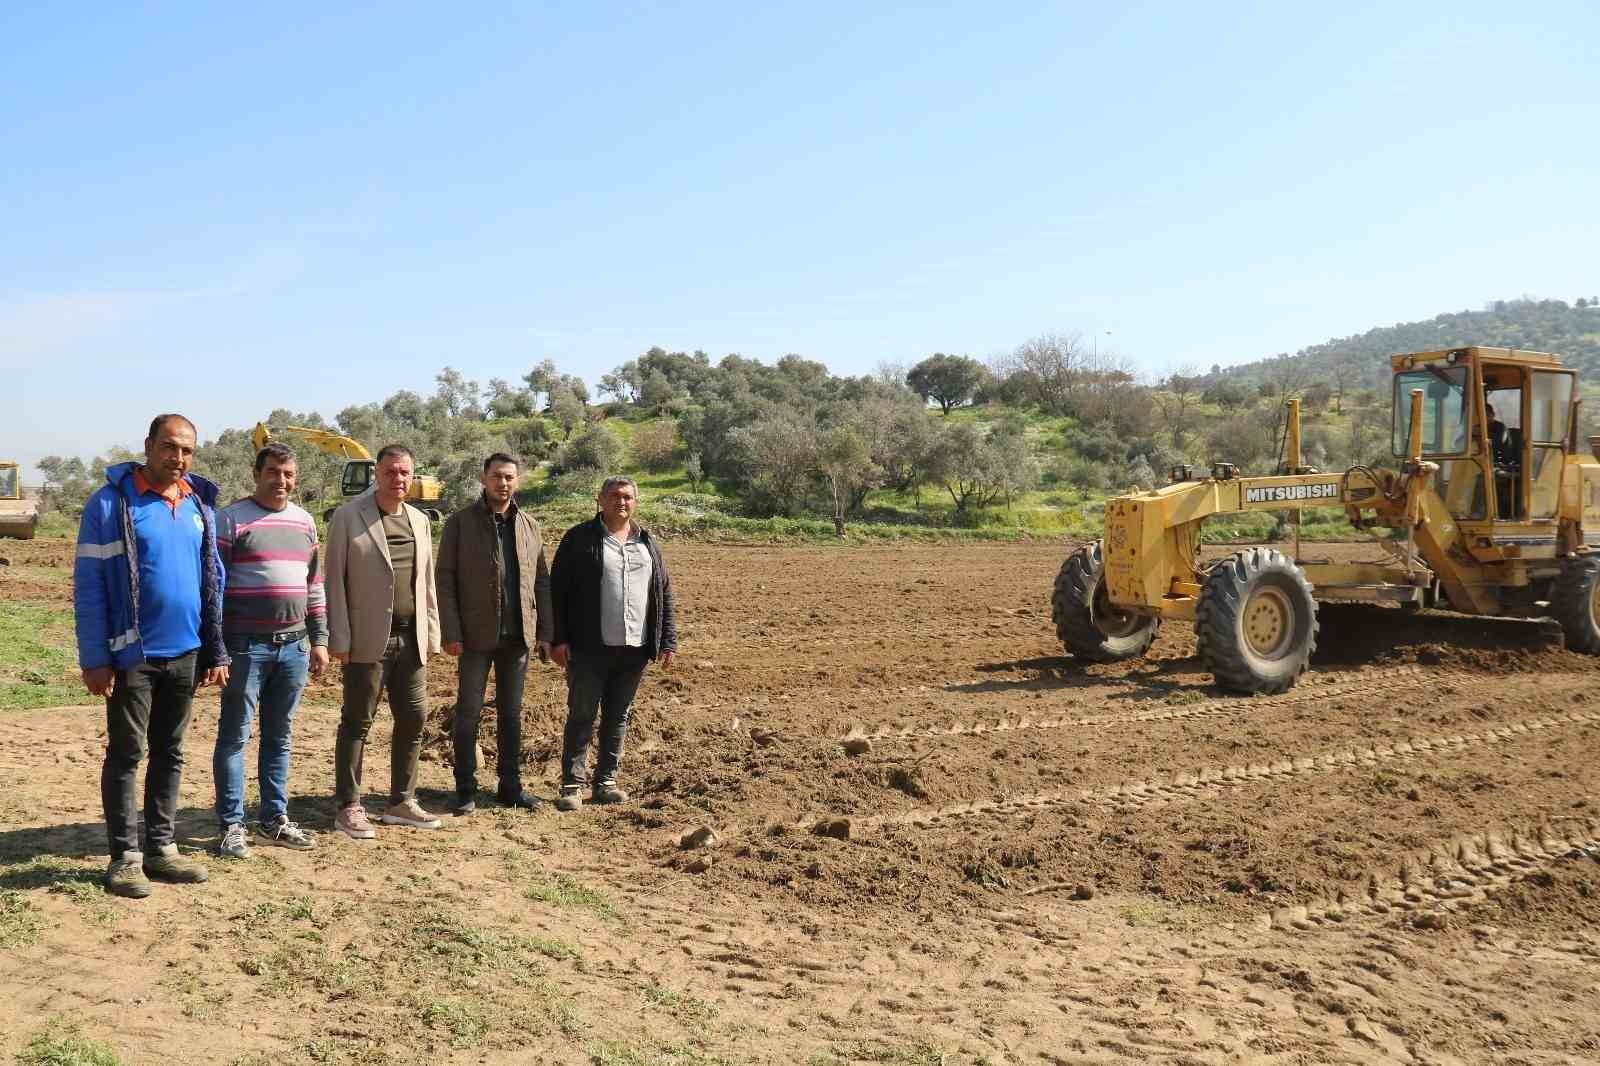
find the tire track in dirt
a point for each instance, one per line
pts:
(1137, 793)
(1331, 687)
(1449, 873)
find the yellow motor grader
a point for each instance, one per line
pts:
(19, 516)
(1493, 509)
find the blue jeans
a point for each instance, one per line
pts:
(269, 676)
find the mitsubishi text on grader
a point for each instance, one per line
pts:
(1493, 508)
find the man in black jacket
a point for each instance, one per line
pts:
(613, 615)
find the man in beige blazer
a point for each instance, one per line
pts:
(383, 623)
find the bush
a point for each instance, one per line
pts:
(594, 448)
(655, 445)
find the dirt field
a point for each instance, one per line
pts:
(1032, 861)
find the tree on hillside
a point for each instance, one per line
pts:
(1226, 394)
(1345, 372)
(656, 391)
(948, 380)
(458, 396)
(623, 383)
(971, 471)
(778, 456)
(847, 467)
(507, 401)
(566, 410)
(1176, 398)
(1285, 376)
(1053, 364)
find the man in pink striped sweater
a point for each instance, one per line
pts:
(275, 623)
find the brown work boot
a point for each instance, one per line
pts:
(165, 864)
(607, 792)
(125, 878)
(570, 798)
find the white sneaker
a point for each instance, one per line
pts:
(234, 844)
(285, 834)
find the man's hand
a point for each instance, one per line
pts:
(319, 659)
(454, 647)
(544, 651)
(216, 675)
(100, 680)
(342, 656)
(666, 658)
(560, 652)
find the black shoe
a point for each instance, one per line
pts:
(607, 792)
(519, 798)
(466, 802)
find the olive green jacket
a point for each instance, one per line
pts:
(471, 576)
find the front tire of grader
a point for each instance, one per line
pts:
(1088, 625)
(1576, 603)
(1256, 622)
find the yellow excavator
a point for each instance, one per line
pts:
(359, 467)
(19, 517)
(1493, 509)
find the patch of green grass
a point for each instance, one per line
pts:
(1152, 913)
(86, 891)
(464, 1021)
(551, 1011)
(568, 894)
(559, 950)
(56, 524)
(920, 1053)
(690, 1010)
(38, 657)
(621, 1053)
(20, 922)
(61, 1044)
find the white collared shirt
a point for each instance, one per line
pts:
(625, 572)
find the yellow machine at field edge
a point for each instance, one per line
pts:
(19, 516)
(1494, 509)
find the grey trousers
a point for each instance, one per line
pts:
(402, 672)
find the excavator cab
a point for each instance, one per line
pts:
(357, 477)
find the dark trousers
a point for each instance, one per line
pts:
(510, 661)
(599, 682)
(402, 672)
(148, 709)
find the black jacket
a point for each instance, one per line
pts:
(575, 588)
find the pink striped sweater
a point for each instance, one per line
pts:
(274, 580)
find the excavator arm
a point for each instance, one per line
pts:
(324, 440)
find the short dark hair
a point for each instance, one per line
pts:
(161, 420)
(394, 449)
(274, 450)
(500, 457)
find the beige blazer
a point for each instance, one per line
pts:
(360, 582)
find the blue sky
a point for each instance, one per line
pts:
(229, 208)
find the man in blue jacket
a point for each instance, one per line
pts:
(148, 600)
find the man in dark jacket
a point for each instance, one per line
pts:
(494, 603)
(147, 596)
(613, 615)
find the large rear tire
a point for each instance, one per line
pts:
(1256, 622)
(1088, 625)
(1575, 602)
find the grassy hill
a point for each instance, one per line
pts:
(1570, 330)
